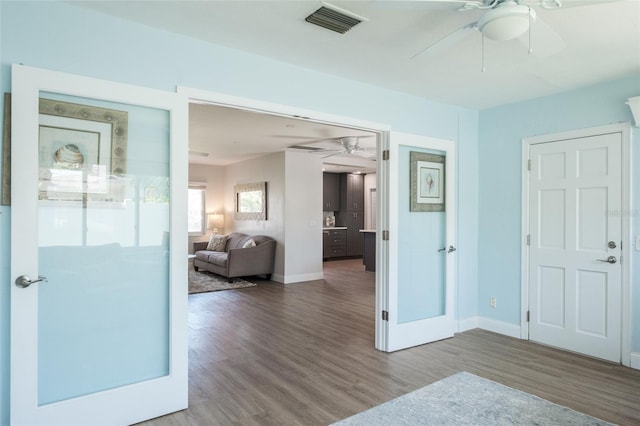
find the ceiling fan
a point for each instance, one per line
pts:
(502, 20)
(348, 145)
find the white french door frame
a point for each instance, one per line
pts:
(401, 336)
(171, 391)
(382, 175)
(624, 129)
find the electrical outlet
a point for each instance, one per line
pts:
(492, 302)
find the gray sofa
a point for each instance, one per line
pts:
(236, 261)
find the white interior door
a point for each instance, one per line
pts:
(99, 173)
(575, 282)
(422, 251)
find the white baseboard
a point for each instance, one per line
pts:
(500, 327)
(635, 360)
(467, 324)
(302, 277)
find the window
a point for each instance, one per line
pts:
(197, 217)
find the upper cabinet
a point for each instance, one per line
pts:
(331, 192)
(352, 192)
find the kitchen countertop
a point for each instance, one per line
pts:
(334, 227)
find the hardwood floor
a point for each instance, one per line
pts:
(304, 354)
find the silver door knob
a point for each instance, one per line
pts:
(451, 249)
(610, 259)
(23, 281)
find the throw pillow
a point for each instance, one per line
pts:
(249, 243)
(217, 242)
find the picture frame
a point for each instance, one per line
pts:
(250, 201)
(427, 182)
(82, 152)
(101, 132)
(118, 122)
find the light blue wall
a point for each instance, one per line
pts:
(500, 144)
(71, 39)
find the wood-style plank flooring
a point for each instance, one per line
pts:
(303, 354)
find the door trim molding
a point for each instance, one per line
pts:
(625, 131)
(382, 171)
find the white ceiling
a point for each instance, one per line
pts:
(228, 135)
(582, 43)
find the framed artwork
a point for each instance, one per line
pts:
(427, 182)
(82, 152)
(251, 201)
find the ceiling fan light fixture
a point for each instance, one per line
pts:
(506, 22)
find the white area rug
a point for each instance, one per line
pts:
(466, 399)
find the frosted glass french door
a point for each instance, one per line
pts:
(98, 294)
(422, 248)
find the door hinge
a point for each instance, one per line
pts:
(529, 165)
(385, 154)
(528, 239)
(528, 313)
(385, 235)
(385, 316)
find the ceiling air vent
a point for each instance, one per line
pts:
(334, 18)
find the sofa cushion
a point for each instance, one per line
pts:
(217, 242)
(218, 258)
(203, 255)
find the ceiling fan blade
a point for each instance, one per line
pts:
(447, 41)
(366, 154)
(419, 5)
(334, 139)
(563, 4)
(334, 154)
(545, 41)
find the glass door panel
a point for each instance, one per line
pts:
(421, 260)
(103, 234)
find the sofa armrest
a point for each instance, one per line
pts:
(200, 245)
(252, 260)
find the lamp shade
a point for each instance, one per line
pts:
(506, 22)
(215, 221)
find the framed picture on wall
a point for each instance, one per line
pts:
(82, 150)
(427, 182)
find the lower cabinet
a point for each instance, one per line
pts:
(354, 223)
(334, 243)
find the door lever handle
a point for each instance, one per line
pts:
(23, 281)
(610, 259)
(450, 250)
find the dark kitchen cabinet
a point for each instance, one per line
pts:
(354, 223)
(334, 243)
(330, 192)
(351, 212)
(352, 192)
